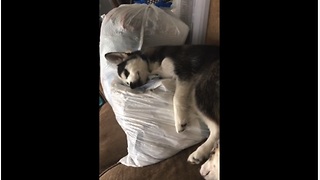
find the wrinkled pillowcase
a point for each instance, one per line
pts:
(146, 116)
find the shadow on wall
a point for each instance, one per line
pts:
(106, 5)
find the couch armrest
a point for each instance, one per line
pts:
(102, 93)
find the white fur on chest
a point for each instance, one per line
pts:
(165, 70)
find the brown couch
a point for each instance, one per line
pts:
(113, 145)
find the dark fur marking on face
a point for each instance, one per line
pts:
(126, 73)
(121, 67)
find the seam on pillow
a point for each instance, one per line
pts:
(109, 168)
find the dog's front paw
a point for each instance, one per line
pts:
(181, 113)
(197, 157)
(181, 121)
(181, 126)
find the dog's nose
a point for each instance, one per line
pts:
(135, 84)
(132, 85)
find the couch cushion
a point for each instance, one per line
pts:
(173, 168)
(113, 144)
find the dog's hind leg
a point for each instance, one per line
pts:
(203, 151)
(210, 170)
(181, 104)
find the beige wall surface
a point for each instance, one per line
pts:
(213, 29)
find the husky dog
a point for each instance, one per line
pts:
(196, 70)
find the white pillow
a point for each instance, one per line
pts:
(146, 116)
(131, 27)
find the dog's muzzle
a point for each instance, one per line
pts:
(135, 84)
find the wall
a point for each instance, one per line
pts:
(105, 6)
(213, 29)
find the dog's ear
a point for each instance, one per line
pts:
(116, 57)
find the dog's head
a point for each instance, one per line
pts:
(132, 67)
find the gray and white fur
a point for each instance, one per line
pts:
(196, 69)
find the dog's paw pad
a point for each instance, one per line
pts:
(194, 161)
(195, 158)
(180, 128)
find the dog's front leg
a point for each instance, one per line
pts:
(203, 151)
(181, 101)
